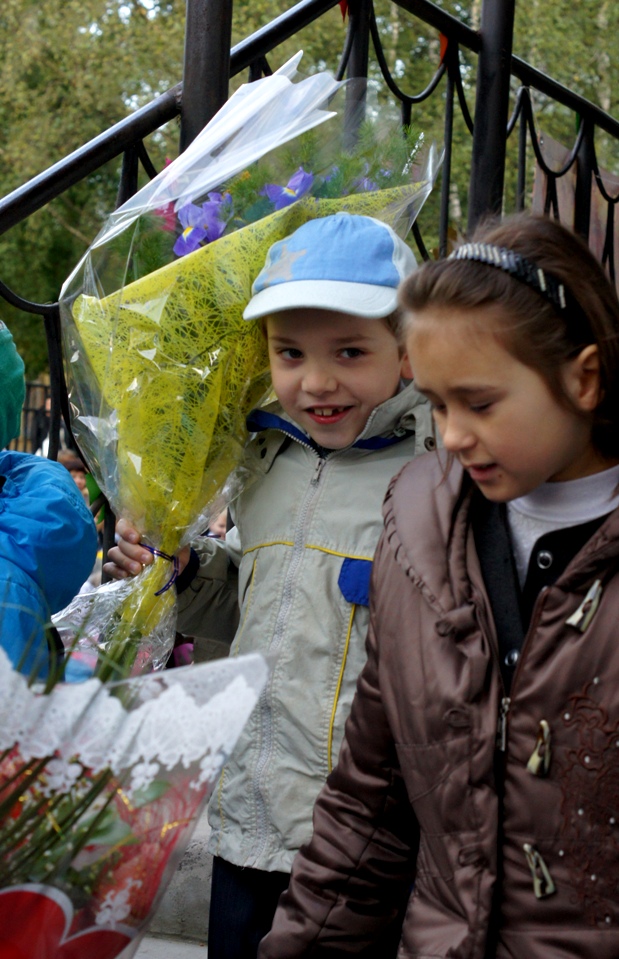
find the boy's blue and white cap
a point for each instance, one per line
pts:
(344, 262)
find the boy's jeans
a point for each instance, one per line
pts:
(243, 903)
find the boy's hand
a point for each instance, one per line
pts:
(128, 557)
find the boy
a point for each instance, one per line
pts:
(304, 538)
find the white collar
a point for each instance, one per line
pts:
(573, 501)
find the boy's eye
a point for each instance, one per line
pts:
(350, 352)
(291, 353)
(480, 407)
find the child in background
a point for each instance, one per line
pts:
(487, 713)
(217, 529)
(304, 538)
(48, 540)
(78, 471)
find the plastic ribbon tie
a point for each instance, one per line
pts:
(171, 559)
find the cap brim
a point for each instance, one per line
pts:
(359, 299)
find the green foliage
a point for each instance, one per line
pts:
(69, 72)
(381, 158)
(73, 69)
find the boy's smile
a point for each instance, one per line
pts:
(330, 370)
(324, 416)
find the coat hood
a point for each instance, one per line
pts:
(428, 493)
(46, 529)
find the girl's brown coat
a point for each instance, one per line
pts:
(420, 763)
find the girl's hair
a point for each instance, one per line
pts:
(528, 316)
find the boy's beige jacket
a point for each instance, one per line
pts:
(512, 841)
(306, 530)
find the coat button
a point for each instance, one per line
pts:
(512, 657)
(429, 443)
(545, 559)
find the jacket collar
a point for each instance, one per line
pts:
(427, 523)
(390, 422)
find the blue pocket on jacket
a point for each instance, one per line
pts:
(354, 581)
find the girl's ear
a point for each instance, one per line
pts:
(583, 379)
(406, 370)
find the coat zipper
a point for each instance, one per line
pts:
(506, 701)
(543, 884)
(502, 727)
(320, 465)
(266, 725)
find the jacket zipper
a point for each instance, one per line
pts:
(320, 465)
(506, 701)
(266, 725)
(543, 884)
(502, 728)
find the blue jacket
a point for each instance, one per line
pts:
(48, 545)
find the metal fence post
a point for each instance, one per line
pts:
(584, 182)
(206, 71)
(359, 13)
(491, 110)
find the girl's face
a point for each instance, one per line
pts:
(497, 415)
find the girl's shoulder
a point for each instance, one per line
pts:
(431, 477)
(422, 501)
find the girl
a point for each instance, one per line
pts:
(487, 714)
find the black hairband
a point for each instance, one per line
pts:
(521, 269)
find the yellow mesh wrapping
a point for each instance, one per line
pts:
(174, 358)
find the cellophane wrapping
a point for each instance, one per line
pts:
(162, 368)
(100, 788)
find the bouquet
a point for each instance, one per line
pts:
(162, 369)
(100, 786)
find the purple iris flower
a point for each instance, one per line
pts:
(203, 223)
(190, 217)
(298, 185)
(364, 183)
(216, 213)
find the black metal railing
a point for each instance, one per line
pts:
(209, 63)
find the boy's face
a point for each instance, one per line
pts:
(330, 370)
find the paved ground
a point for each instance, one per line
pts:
(156, 948)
